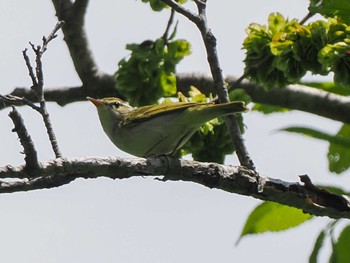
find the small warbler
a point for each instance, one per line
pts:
(157, 129)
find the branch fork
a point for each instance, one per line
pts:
(37, 88)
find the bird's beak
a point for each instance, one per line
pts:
(96, 102)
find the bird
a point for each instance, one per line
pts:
(157, 130)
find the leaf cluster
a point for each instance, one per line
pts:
(283, 51)
(149, 73)
(211, 143)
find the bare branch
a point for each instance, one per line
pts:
(233, 179)
(51, 36)
(31, 157)
(30, 69)
(38, 86)
(15, 100)
(51, 133)
(185, 12)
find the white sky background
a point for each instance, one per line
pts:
(141, 219)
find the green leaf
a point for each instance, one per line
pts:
(339, 151)
(339, 148)
(332, 8)
(341, 251)
(173, 34)
(335, 57)
(317, 247)
(156, 5)
(177, 50)
(240, 94)
(159, 5)
(276, 22)
(318, 135)
(168, 82)
(271, 217)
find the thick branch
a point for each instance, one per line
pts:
(295, 97)
(298, 97)
(233, 179)
(75, 36)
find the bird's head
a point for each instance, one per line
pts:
(111, 108)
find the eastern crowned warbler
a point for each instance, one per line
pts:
(157, 129)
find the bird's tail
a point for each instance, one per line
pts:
(233, 107)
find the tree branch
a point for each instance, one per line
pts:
(31, 158)
(294, 97)
(233, 179)
(167, 29)
(220, 86)
(38, 86)
(77, 42)
(305, 99)
(183, 11)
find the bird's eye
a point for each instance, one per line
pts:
(115, 104)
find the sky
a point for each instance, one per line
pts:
(142, 219)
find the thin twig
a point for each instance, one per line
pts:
(15, 100)
(307, 17)
(167, 29)
(39, 51)
(246, 74)
(50, 132)
(31, 158)
(210, 44)
(30, 69)
(38, 85)
(185, 12)
(52, 36)
(238, 81)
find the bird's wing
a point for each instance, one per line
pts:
(145, 112)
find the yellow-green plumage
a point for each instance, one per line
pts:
(157, 129)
